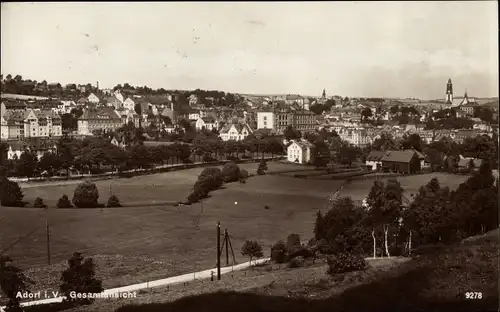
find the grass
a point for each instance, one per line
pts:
(436, 281)
(176, 240)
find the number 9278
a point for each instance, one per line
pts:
(473, 295)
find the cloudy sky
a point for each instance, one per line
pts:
(353, 49)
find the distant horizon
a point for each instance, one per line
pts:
(406, 50)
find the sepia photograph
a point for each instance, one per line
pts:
(336, 156)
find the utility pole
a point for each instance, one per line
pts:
(48, 240)
(218, 251)
(226, 241)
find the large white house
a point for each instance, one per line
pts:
(235, 132)
(300, 151)
(129, 104)
(265, 120)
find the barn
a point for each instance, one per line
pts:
(401, 161)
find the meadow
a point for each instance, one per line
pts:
(137, 244)
(141, 243)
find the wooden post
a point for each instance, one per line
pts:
(218, 250)
(227, 247)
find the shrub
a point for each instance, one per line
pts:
(246, 157)
(296, 262)
(230, 172)
(12, 281)
(252, 249)
(262, 167)
(197, 195)
(86, 195)
(80, 277)
(243, 175)
(10, 193)
(64, 202)
(233, 158)
(39, 203)
(345, 262)
(113, 201)
(214, 176)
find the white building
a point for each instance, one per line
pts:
(373, 160)
(235, 132)
(92, 98)
(129, 104)
(265, 120)
(208, 123)
(194, 115)
(119, 96)
(299, 151)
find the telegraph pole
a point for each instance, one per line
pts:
(227, 246)
(48, 240)
(218, 251)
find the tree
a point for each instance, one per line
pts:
(10, 193)
(252, 249)
(86, 195)
(384, 207)
(366, 113)
(243, 175)
(79, 277)
(413, 141)
(64, 202)
(386, 143)
(12, 281)
(318, 109)
(49, 163)
(113, 201)
(291, 134)
(27, 164)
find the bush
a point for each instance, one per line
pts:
(214, 179)
(39, 203)
(345, 262)
(243, 175)
(230, 172)
(80, 277)
(197, 195)
(246, 157)
(86, 195)
(233, 158)
(64, 202)
(296, 262)
(10, 193)
(262, 167)
(113, 201)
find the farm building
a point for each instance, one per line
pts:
(299, 151)
(406, 161)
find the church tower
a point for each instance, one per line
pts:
(448, 99)
(324, 94)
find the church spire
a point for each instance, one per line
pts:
(323, 95)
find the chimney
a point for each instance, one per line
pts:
(97, 85)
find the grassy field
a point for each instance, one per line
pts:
(435, 281)
(359, 189)
(138, 244)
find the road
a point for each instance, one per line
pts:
(200, 275)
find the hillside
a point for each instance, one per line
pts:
(436, 280)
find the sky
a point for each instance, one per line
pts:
(369, 49)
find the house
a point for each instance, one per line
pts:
(374, 160)
(194, 115)
(105, 119)
(119, 96)
(208, 123)
(92, 98)
(406, 161)
(82, 101)
(235, 132)
(193, 99)
(112, 101)
(129, 104)
(30, 123)
(300, 151)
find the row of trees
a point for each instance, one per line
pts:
(387, 226)
(78, 277)
(96, 154)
